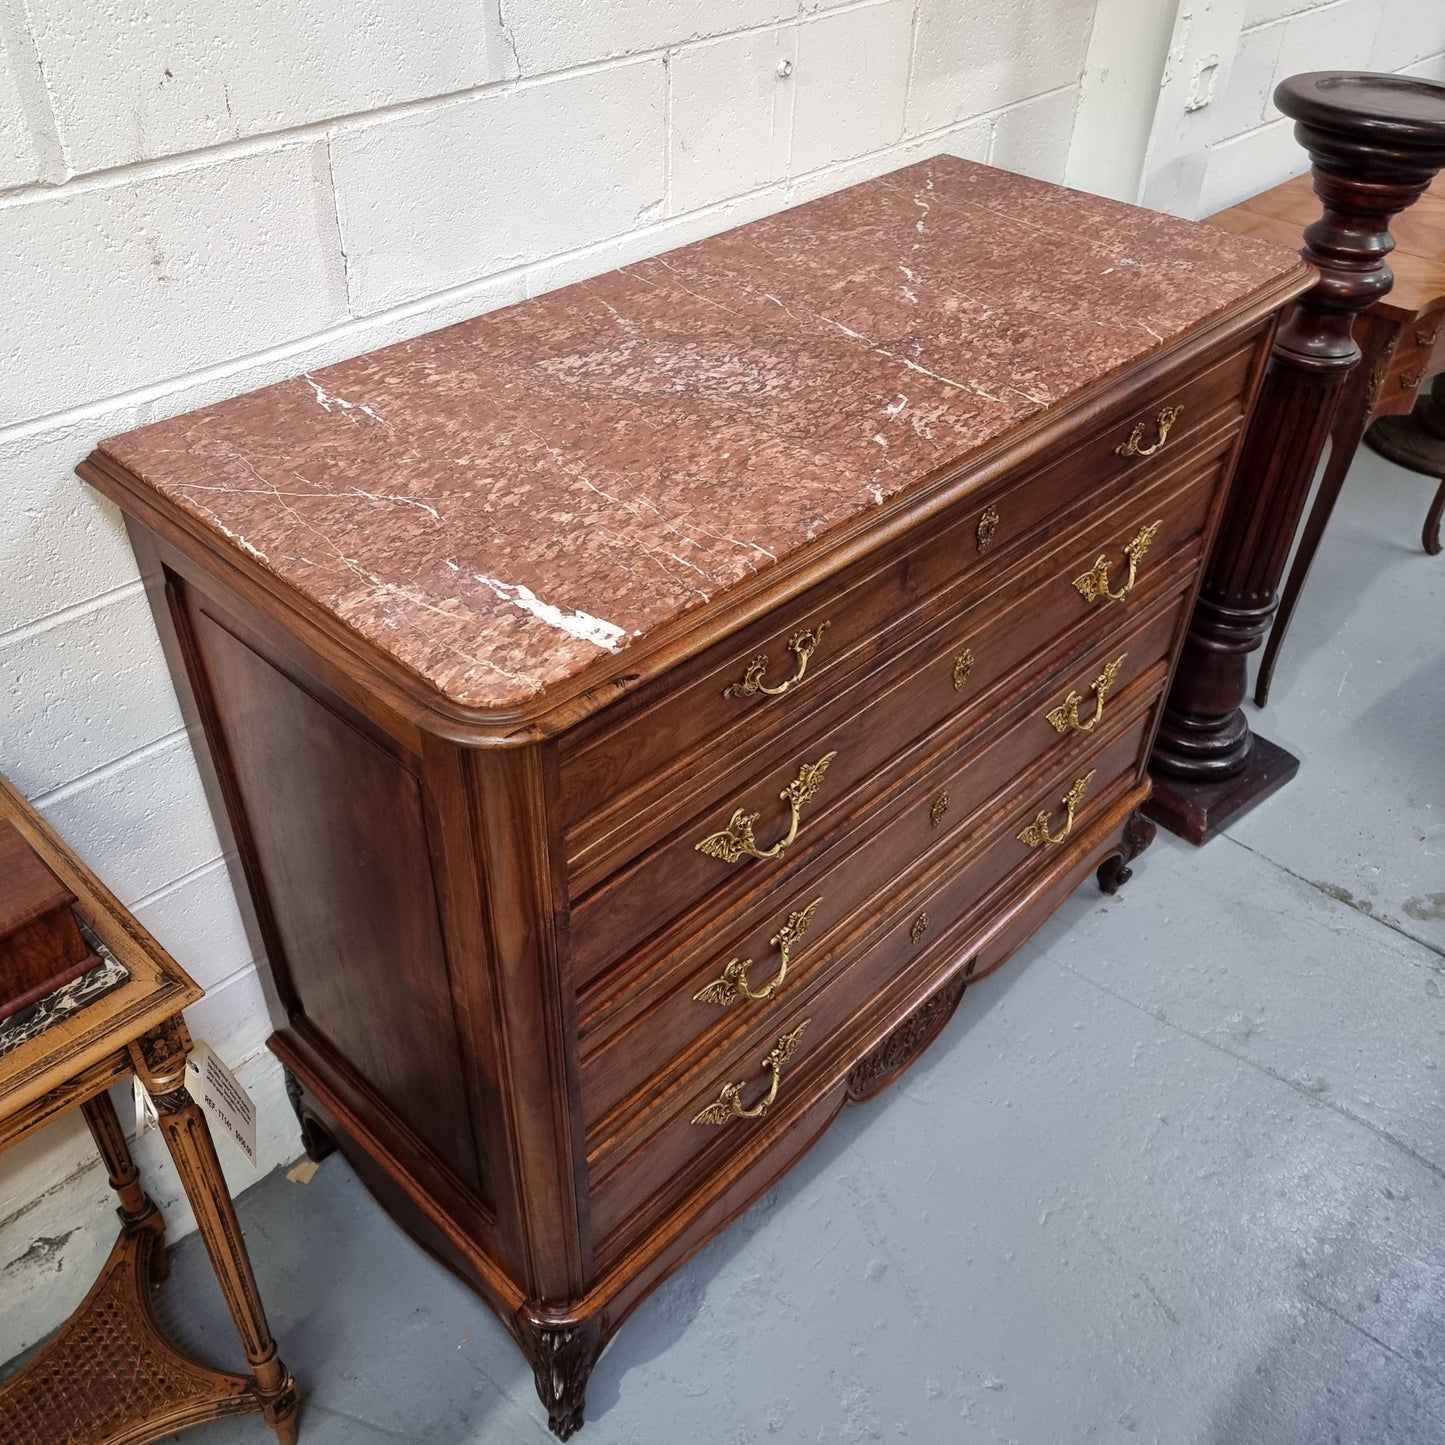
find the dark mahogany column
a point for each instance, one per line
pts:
(1376, 142)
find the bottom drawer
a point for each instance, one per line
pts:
(927, 923)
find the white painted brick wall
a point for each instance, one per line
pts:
(433, 200)
(996, 46)
(313, 180)
(119, 283)
(1254, 148)
(134, 79)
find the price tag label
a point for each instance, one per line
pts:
(146, 1117)
(227, 1105)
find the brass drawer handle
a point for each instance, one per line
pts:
(1163, 423)
(733, 985)
(1037, 833)
(1065, 717)
(801, 644)
(736, 841)
(729, 1104)
(1094, 584)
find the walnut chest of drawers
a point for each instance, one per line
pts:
(636, 715)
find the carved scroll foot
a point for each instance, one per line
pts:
(562, 1359)
(1114, 872)
(875, 1071)
(317, 1143)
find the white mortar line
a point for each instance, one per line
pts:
(180, 881)
(166, 742)
(68, 614)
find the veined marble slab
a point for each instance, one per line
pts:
(499, 504)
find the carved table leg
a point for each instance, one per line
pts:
(1417, 441)
(1357, 403)
(562, 1358)
(1376, 143)
(137, 1213)
(317, 1143)
(1114, 872)
(160, 1061)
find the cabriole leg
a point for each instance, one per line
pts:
(562, 1358)
(1114, 872)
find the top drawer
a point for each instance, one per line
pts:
(748, 688)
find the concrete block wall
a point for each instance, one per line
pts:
(1254, 146)
(198, 198)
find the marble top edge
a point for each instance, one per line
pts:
(501, 505)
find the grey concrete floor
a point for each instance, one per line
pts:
(1174, 1175)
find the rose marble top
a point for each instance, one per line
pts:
(501, 503)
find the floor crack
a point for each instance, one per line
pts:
(1264, 1069)
(1350, 902)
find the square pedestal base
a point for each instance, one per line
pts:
(1197, 811)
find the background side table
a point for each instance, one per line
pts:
(110, 1376)
(1402, 345)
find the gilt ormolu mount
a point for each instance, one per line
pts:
(1376, 143)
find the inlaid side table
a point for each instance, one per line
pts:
(110, 1376)
(1402, 345)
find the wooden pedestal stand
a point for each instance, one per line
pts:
(1376, 142)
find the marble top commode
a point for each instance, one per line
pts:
(503, 503)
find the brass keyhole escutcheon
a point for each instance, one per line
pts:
(962, 666)
(920, 927)
(939, 808)
(987, 526)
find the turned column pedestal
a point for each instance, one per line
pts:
(1375, 143)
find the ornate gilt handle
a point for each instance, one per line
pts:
(1094, 584)
(1162, 424)
(1037, 833)
(729, 1104)
(733, 985)
(801, 644)
(736, 841)
(1065, 717)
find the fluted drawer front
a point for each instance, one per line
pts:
(645, 1162)
(766, 679)
(858, 732)
(633, 1031)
